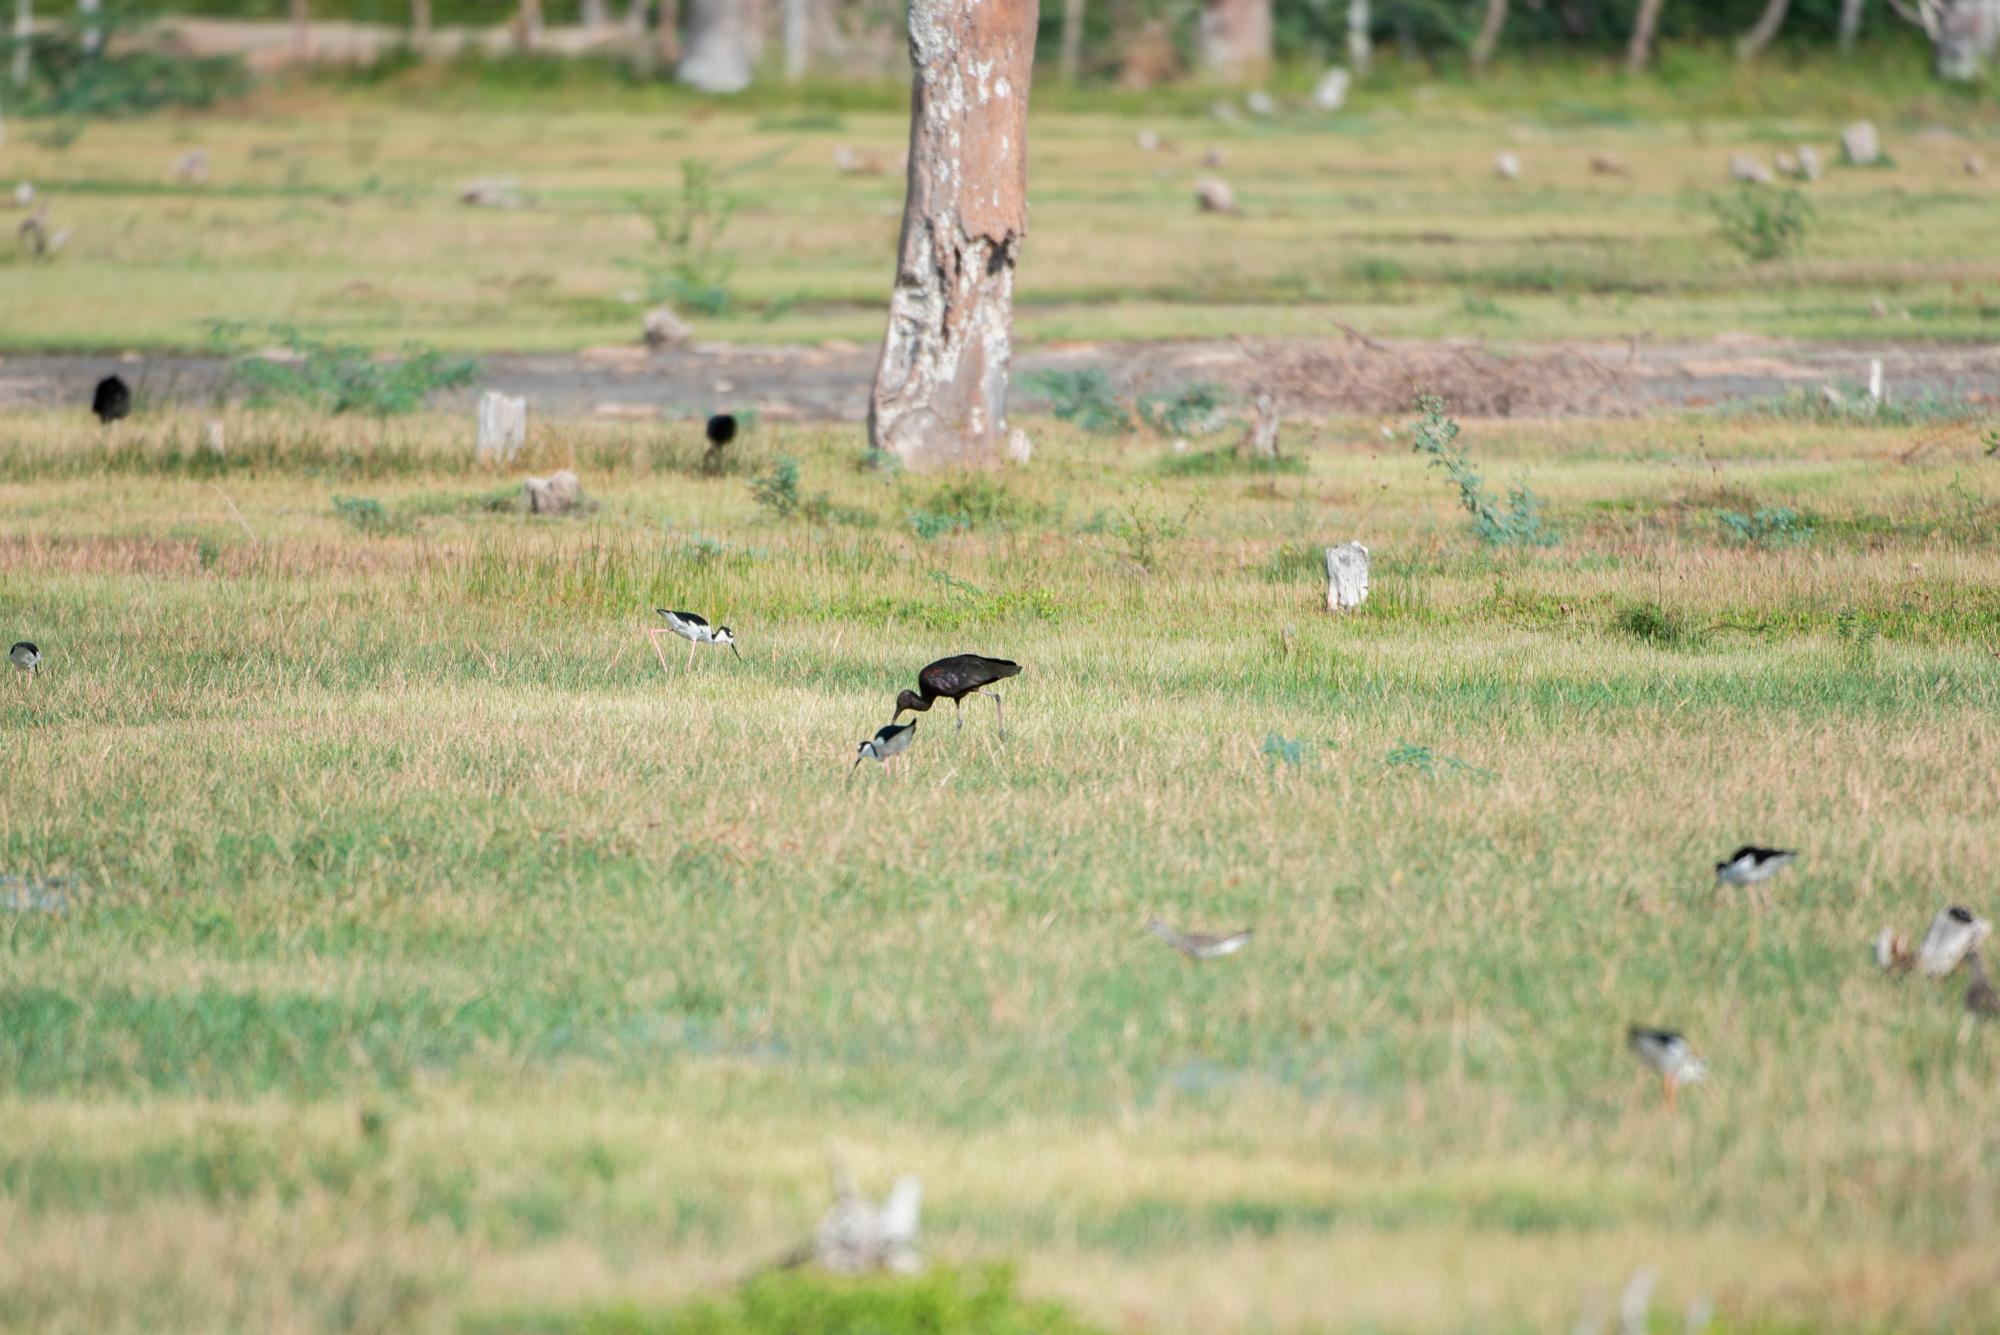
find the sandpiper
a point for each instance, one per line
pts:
(27, 658)
(111, 400)
(1752, 866)
(889, 741)
(695, 630)
(1200, 945)
(955, 678)
(1668, 1053)
(1955, 933)
(1980, 998)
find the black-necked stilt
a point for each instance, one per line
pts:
(1980, 998)
(1201, 945)
(112, 400)
(1751, 865)
(889, 741)
(1955, 933)
(955, 678)
(1668, 1053)
(27, 658)
(695, 630)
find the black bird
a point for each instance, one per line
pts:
(27, 658)
(721, 430)
(1980, 998)
(1751, 865)
(112, 400)
(889, 741)
(955, 678)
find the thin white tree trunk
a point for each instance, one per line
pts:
(798, 39)
(528, 26)
(635, 17)
(301, 31)
(420, 21)
(1763, 30)
(1850, 24)
(93, 36)
(667, 38)
(594, 14)
(1360, 39)
(941, 388)
(24, 30)
(1488, 40)
(1640, 52)
(718, 47)
(1069, 61)
(1235, 39)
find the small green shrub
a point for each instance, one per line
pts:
(1858, 634)
(1280, 750)
(1763, 225)
(696, 269)
(1219, 463)
(341, 378)
(777, 488)
(1653, 624)
(1146, 532)
(1200, 409)
(1084, 398)
(363, 513)
(1518, 523)
(1772, 526)
(1425, 761)
(1377, 271)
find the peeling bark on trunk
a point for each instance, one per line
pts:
(941, 387)
(1640, 52)
(1773, 18)
(1360, 38)
(1069, 60)
(1235, 39)
(1488, 40)
(718, 47)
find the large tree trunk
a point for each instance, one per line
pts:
(1488, 40)
(1235, 39)
(1069, 59)
(24, 30)
(1763, 30)
(798, 39)
(1360, 38)
(941, 387)
(718, 47)
(528, 26)
(1968, 35)
(1640, 52)
(667, 38)
(1850, 25)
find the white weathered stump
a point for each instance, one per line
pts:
(503, 427)
(1748, 171)
(1346, 577)
(857, 1236)
(1019, 448)
(1330, 93)
(1262, 438)
(213, 436)
(1861, 144)
(557, 494)
(1948, 942)
(665, 328)
(1507, 166)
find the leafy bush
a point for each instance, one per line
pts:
(777, 489)
(1763, 225)
(1146, 531)
(690, 230)
(1200, 409)
(1281, 750)
(342, 378)
(1772, 526)
(1516, 524)
(364, 513)
(1657, 625)
(1082, 397)
(1422, 759)
(74, 78)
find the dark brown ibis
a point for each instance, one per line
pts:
(955, 678)
(111, 400)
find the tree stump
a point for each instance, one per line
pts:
(940, 392)
(718, 47)
(503, 427)
(1262, 438)
(1346, 577)
(1861, 144)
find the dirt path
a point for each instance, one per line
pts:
(1338, 375)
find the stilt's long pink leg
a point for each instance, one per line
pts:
(654, 634)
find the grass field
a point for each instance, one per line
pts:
(434, 961)
(334, 206)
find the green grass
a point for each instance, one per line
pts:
(436, 962)
(332, 207)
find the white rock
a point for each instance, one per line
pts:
(557, 494)
(1506, 166)
(1259, 103)
(500, 192)
(1861, 144)
(1147, 140)
(1744, 168)
(1346, 577)
(193, 167)
(665, 329)
(1330, 93)
(1019, 448)
(1974, 164)
(1809, 163)
(1786, 164)
(24, 195)
(1214, 195)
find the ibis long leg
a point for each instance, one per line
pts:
(997, 709)
(958, 712)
